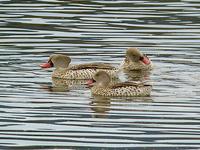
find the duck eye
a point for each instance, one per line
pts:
(51, 63)
(141, 58)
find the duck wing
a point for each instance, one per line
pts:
(92, 66)
(125, 84)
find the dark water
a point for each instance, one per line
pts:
(36, 115)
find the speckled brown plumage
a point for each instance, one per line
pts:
(125, 89)
(95, 65)
(81, 71)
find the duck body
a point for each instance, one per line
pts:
(86, 73)
(136, 66)
(123, 90)
(102, 87)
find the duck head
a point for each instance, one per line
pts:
(100, 79)
(58, 61)
(134, 55)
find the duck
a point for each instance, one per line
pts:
(135, 60)
(82, 71)
(100, 86)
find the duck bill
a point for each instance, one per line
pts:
(90, 82)
(146, 60)
(46, 65)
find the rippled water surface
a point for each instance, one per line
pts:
(37, 114)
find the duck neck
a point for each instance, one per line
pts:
(60, 70)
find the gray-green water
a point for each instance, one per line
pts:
(33, 116)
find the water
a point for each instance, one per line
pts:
(37, 115)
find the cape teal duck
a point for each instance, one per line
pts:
(101, 87)
(82, 71)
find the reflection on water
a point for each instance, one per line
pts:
(38, 112)
(100, 106)
(138, 75)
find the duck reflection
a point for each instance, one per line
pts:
(137, 75)
(101, 106)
